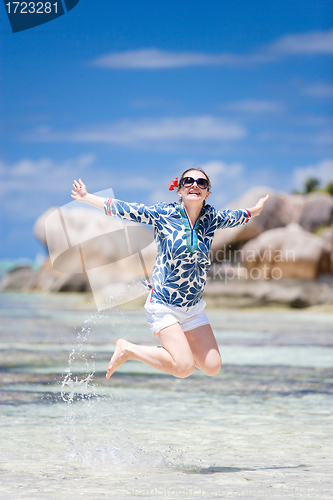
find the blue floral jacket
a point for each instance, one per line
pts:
(183, 259)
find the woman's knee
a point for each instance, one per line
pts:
(213, 367)
(183, 370)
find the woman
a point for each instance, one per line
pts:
(175, 310)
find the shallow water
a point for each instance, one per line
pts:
(262, 428)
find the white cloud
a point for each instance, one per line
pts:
(161, 59)
(28, 187)
(319, 89)
(45, 173)
(217, 169)
(323, 171)
(293, 138)
(147, 132)
(229, 180)
(255, 106)
(136, 182)
(311, 120)
(315, 42)
(43, 168)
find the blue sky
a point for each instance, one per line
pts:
(126, 95)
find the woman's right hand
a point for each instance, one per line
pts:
(80, 190)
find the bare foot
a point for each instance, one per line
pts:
(120, 355)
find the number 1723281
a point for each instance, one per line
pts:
(32, 7)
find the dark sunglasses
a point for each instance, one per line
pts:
(189, 181)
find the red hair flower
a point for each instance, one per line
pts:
(173, 185)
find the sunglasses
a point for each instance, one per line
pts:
(189, 181)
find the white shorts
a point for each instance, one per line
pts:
(160, 316)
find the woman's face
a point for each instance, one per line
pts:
(193, 193)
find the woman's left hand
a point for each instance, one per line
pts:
(259, 206)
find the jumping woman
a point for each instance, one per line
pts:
(183, 233)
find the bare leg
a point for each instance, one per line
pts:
(205, 350)
(175, 357)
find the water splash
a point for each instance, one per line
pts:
(101, 428)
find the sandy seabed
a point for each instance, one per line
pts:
(260, 429)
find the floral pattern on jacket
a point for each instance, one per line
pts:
(183, 259)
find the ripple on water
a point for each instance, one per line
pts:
(66, 428)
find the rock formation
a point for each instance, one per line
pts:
(286, 252)
(310, 211)
(89, 251)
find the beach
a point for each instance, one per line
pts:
(261, 428)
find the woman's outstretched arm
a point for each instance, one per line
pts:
(259, 206)
(233, 218)
(80, 193)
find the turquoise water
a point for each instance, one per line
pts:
(7, 265)
(262, 428)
